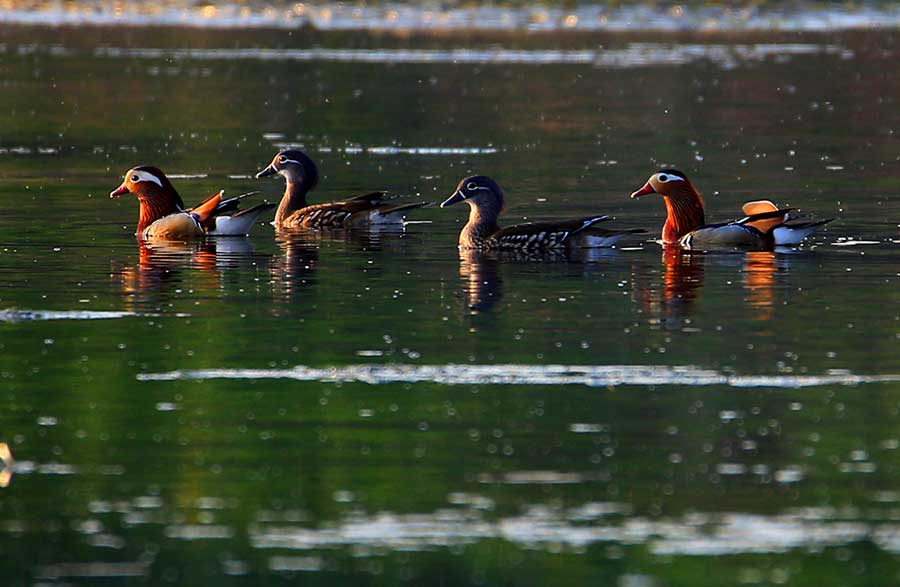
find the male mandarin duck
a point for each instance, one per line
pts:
(485, 199)
(301, 176)
(163, 215)
(764, 226)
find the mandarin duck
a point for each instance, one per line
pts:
(485, 199)
(764, 225)
(163, 215)
(301, 176)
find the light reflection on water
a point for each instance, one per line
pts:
(394, 16)
(590, 375)
(632, 56)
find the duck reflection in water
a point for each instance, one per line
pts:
(294, 270)
(684, 275)
(480, 274)
(759, 280)
(480, 270)
(161, 267)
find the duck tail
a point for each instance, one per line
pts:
(394, 210)
(588, 222)
(604, 238)
(793, 233)
(231, 204)
(241, 223)
(371, 197)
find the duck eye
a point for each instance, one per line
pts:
(471, 186)
(135, 178)
(664, 178)
(282, 159)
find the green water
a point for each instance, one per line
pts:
(171, 411)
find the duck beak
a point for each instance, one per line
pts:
(270, 170)
(121, 190)
(647, 189)
(455, 198)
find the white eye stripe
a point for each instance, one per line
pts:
(285, 160)
(145, 176)
(667, 177)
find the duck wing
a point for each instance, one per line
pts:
(754, 231)
(371, 197)
(328, 215)
(543, 235)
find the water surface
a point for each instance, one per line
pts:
(377, 408)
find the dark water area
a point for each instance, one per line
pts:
(379, 409)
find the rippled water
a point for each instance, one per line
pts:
(377, 408)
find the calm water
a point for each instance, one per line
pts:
(376, 409)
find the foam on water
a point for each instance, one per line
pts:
(803, 16)
(513, 374)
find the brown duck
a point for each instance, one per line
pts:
(301, 177)
(163, 215)
(764, 225)
(486, 200)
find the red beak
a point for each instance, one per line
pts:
(647, 189)
(122, 189)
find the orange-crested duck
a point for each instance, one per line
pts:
(486, 200)
(764, 225)
(301, 176)
(163, 215)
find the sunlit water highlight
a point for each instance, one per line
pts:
(27, 315)
(589, 375)
(542, 527)
(412, 17)
(633, 55)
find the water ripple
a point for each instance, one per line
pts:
(514, 374)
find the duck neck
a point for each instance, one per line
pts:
(293, 199)
(685, 213)
(481, 225)
(153, 208)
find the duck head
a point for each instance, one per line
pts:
(683, 202)
(295, 166)
(153, 190)
(478, 191)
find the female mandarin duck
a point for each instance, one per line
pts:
(485, 199)
(301, 176)
(163, 215)
(764, 226)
